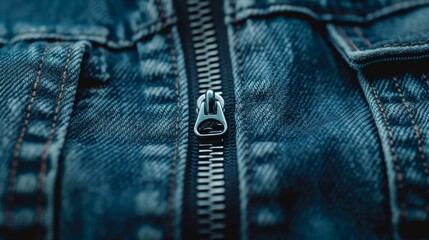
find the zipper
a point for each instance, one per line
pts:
(211, 120)
(211, 206)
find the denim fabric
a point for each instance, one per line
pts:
(399, 104)
(401, 37)
(331, 119)
(120, 171)
(123, 145)
(344, 11)
(116, 24)
(38, 85)
(313, 168)
(296, 107)
(396, 91)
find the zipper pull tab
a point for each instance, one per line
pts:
(211, 121)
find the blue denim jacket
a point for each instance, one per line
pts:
(327, 109)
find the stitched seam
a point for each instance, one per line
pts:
(246, 144)
(348, 39)
(406, 44)
(359, 33)
(60, 33)
(118, 44)
(43, 157)
(138, 29)
(17, 148)
(149, 28)
(416, 134)
(370, 15)
(177, 127)
(397, 168)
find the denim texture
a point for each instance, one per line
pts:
(309, 174)
(117, 24)
(120, 169)
(396, 38)
(295, 107)
(399, 104)
(141, 93)
(38, 85)
(397, 94)
(331, 119)
(121, 134)
(343, 11)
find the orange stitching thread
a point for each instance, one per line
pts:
(43, 163)
(359, 33)
(417, 133)
(399, 176)
(17, 148)
(406, 44)
(177, 126)
(349, 40)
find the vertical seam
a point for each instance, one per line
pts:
(398, 170)
(348, 39)
(17, 148)
(43, 157)
(359, 33)
(417, 135)
(177, 127)
(246, 144)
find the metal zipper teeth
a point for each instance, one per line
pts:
(210, 166)
(205, 46)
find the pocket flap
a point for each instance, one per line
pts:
(403, 36)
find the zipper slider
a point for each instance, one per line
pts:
(211, 121)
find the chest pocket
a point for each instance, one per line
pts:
(39, 82)
(391, 58)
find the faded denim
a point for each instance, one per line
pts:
(331, 119)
